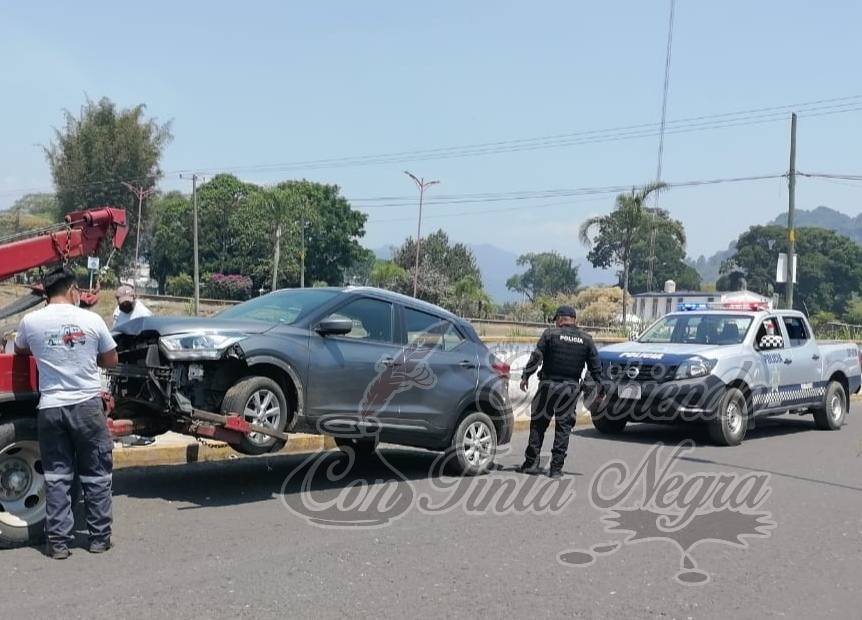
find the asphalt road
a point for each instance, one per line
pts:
(220, 540)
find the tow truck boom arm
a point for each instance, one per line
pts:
(82, 234)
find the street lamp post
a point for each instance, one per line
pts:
(422, 184)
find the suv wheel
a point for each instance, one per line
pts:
(22, 484)
(259, 400)
(474, 445)
(830, 415)
(728, 426)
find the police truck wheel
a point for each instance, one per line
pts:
(22, 484)
(728, 426)
(474, 446)
(830, 415)
(607, 425)
(259, 400)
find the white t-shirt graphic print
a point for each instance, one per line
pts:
(65, 341)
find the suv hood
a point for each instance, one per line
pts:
(166, 326)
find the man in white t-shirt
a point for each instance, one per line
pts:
(70, 344)
(128, 306)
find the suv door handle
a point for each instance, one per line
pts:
(788, 361)
(391, 361)
(467, 364)
(815, 357)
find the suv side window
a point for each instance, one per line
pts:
(797, 333)
(429, 331)
(372, 319)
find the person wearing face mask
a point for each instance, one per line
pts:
(128, 306)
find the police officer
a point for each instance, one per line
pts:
(562, 351)
(70, 344)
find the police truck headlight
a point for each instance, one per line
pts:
(197, 345)
(694, 368)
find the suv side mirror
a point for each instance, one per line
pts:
(334, 327)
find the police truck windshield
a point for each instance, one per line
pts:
(715, 329)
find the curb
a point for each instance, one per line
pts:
(197, 452)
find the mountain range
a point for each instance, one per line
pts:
(821, 217)
(498, 265)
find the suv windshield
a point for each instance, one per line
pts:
(698, 329)
(284, 307)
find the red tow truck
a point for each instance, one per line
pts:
(22, 484)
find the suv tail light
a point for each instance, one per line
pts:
(500, 367)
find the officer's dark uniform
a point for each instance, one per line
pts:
(563, 352)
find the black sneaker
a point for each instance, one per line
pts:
(58, 553)
(555, 474)
(100, 546)
(527, 468)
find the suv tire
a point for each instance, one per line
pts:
(474, 446)
(260, 400)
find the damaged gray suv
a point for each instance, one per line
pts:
(360, 364)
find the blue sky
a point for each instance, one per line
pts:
(255, 83)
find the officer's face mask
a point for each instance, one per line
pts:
(127, 306)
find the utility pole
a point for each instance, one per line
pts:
(302, 252)
(194, 178)
(276, 257)
(140, 193)
(422, 184)
(791, 208)
(654, 231)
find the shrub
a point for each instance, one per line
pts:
(221, 286)
(180, 285)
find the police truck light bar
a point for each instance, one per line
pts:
(746, 306)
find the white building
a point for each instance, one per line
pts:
(649, 307)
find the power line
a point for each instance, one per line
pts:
(753, 116)
(680, 184)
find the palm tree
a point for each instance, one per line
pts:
(612, 236)
(469, 294)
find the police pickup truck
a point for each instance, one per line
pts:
(725, 367)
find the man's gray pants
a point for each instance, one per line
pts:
(74, 440)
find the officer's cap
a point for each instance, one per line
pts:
(565, 311)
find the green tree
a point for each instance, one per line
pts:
(170, 250)
(442, 264)
(669, 257)
(829, 266)
(325, 229)
(611, 238)
(388, 275)
(358, 273)
(219, 228)
(98, 149)
(548, 274)
(469, 298)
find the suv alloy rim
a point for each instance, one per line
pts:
(262, 409)
(477, 444)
